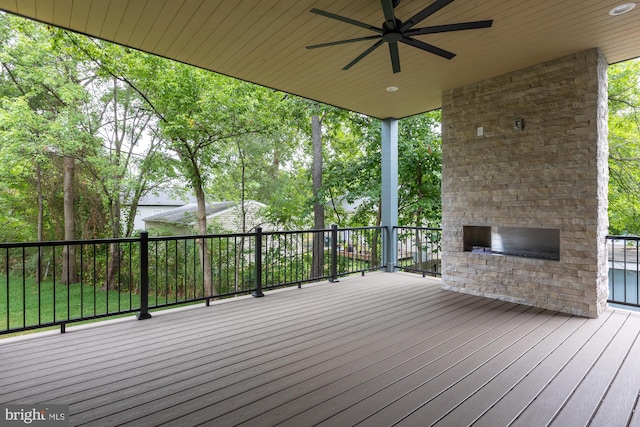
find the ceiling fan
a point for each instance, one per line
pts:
(394, 31)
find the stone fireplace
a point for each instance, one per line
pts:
(524, 186)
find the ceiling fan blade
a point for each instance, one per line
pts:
(363, 54)
(389, 15)
(395, 57)
(428, 47)
(449, 27)
(424, 14)
(359, 39)
(347, 20)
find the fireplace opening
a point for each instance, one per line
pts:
(477, 238)
(541, 243)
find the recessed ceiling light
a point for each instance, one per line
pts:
(392, 88)
(622, 9)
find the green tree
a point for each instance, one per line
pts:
(624, 147)
(420, 170)
(47, 104)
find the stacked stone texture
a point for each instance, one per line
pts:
(552, 174)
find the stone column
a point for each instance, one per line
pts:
(551, 173)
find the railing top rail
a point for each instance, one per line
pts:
(397, 227)
(47, 243)
(322, 230)
(200, 236)
(635, 238)
(67, 242)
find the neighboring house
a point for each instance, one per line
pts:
(152, 204)
(225, 216)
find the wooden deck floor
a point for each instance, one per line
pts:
(379, 350)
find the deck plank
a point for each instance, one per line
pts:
(220, 402)
(582, 383)
(212, 382)
(408, 355)
(375, 350)
(545, 369)
(618, 404)
(496, 357)
(573, 375)
(392, 403)
(125, 358)
(218, 385)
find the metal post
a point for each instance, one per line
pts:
(390, 192)
(258, 292)
(334, 254)
(144, 276)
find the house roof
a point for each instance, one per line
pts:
(264, 42)
(165, 199)
(186, 215)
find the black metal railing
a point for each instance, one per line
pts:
(419, 250)
(56, 283)
(624, 281)
(53, 283)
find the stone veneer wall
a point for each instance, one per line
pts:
(552, 174)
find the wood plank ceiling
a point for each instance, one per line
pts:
(264, 42)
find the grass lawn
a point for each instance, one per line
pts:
(24, 304)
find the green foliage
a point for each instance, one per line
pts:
(355, 174)
(134, 121)
(624, 148)
(420, 170)
(41, 119)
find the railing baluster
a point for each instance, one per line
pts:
(106, 266)
(637, 275)
(334, 253)
(95, 309)
(55, 291)
(624, 258)
(258, 254)
(8, 287)
(24, 291)
(81, 280)
(68, 284)
(144, 276)
(39, 280)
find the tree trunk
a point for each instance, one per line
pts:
(40, 225)
(419, 250)
(243, 217)
(69, 267)
(418, 242)
(115, 254)
(317, 264)
(203, 248)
